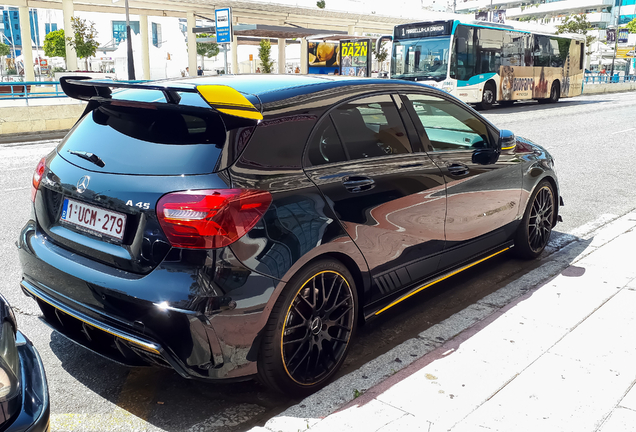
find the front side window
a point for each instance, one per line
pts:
(371, 127)
(448, 126)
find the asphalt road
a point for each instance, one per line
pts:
(593, 139)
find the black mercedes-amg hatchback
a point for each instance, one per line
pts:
(243, 226)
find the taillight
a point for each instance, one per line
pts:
(37, 178)
(208, 219)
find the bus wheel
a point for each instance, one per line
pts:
(555, 92)
(487, 97)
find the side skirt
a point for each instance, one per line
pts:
(370, 314)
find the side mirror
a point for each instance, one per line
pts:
(507, 140)
(485, 156)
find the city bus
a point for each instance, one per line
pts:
(483, 63)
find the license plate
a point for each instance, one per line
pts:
(94, 219)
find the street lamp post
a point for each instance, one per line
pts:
(131, 60)
(618, 17)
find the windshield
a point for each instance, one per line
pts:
(425, 58)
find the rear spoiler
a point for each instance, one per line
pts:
(220, 97)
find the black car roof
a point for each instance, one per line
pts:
(265, 84)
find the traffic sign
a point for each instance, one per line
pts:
(223, 25)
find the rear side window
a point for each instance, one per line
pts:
(131, 140)
(371, 127)
(325, 146)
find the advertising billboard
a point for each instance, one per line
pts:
(323, 57)
(355, 57)
(623, 35)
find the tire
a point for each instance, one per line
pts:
(488, 97)
(555, 93)
(307, 335)
(533, 233)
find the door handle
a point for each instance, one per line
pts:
(355, 184)
(457, 169)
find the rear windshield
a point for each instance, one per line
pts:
(131, 140)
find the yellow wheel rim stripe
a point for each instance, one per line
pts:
(282, 334)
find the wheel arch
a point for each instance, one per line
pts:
(494, 85)
(555, 186)
(557, 197)
(356, 274)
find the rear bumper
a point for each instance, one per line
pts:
(180, 315)
(35, 413)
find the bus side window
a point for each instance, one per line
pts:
(465, 53)
(542, 50)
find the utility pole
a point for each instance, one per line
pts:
(129, 53)
(618, 16)
(131, 60)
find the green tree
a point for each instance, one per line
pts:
(577, 23)
(83, 42)
(631, 26)
(382, 55)
(206, 49)
(264, 55)
(321, 4)
(55, 44)
(4, 50)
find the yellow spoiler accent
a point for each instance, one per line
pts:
(229, 101)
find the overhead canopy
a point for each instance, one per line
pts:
(273, 32)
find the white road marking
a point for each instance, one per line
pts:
(623, 131)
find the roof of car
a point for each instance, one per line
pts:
(261, 84)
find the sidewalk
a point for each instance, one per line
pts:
(559, 355)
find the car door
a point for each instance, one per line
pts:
(390, 200)
(483, 194)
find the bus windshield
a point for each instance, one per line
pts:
(425, 58)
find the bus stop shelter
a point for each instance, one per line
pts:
(272, 20)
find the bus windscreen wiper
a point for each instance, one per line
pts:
(91, 157)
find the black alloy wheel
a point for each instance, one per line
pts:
(535, 229)
(488, 97)
(308, 333)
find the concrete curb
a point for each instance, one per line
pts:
(32, 137)
(340, 393)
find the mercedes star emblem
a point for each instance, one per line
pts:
(82, 184)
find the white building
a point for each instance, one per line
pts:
(600, 13)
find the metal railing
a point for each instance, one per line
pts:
(30, 90)
(607, 79)
(26, 90)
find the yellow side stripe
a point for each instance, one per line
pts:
(137, 343)
(439, 280)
